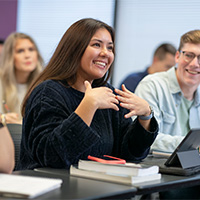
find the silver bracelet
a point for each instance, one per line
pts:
(142, 117)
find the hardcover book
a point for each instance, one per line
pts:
(110, 177)
(130, 169)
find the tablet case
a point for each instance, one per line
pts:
(186, 155)
(163, 169)
(185, 160)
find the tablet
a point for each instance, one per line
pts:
(186, 154)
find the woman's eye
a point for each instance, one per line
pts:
(20, 50)
(110, 48)
(31, 49)
(96, 44)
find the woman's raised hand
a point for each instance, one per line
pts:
(132, 102)
(101, 97)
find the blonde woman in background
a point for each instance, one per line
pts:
(20, 64)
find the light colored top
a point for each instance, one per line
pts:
(183, 112)
(21, 91)
(163, 93)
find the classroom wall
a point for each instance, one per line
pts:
(8, 14)
(141, 25)
(47, 20)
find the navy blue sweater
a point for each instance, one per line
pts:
(54, 136)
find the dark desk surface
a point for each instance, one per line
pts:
(81, 188)
(167, 182)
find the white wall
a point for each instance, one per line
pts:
(140, 27)
(143, 24)
(47, 20)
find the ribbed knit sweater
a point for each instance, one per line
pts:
(54, 136)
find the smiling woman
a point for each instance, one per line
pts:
(96, 59)
(71, 111)
(20, 64)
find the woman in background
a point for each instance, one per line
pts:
(71, 111)
(20, 64)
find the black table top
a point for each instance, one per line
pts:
(81, 188)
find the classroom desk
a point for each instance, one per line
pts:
(81, 188)
(167, 182)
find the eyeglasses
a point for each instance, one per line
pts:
(189, 56)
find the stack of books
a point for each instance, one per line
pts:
(128, 173)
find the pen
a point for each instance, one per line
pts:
(114, 161)
(5, 106)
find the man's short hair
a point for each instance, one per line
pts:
(192, 37)
(163, 49)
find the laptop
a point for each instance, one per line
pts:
(185, 160)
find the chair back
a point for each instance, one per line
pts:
(16, 134)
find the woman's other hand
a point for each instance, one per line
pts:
(132, 102)
(12, 118)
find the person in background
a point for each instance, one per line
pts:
(175, 94)
(71, 111)
(20, 64)
(1, 46)
(163, 59)
(7, 152)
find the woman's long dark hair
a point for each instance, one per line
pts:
(66, 59)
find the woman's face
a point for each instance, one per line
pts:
(25, 56)
(97, 57)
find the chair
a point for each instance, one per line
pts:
(16, 134)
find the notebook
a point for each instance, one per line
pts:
(19, 186)
(185, 159)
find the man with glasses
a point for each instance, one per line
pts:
(175, 94)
